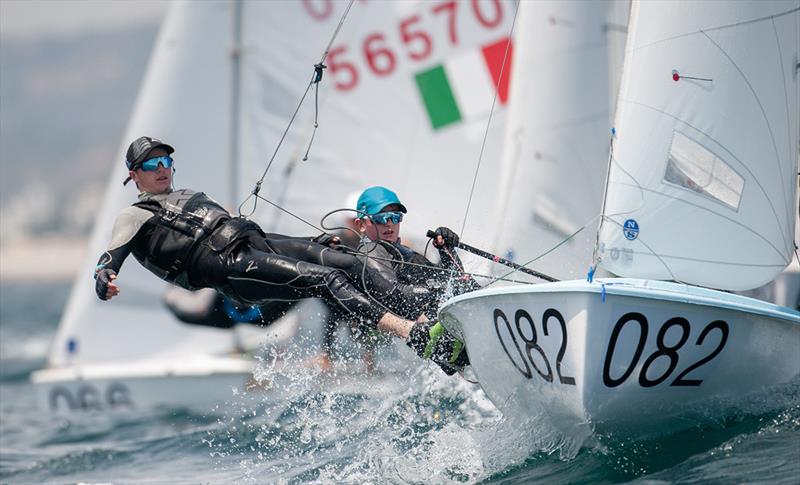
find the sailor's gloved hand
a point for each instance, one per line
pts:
(430, 340)
(328, 240)
(445, 238)
(103, 284)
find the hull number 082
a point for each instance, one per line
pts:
(528, 356)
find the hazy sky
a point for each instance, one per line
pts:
(38, 18)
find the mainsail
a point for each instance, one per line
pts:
(379, 124)
(556, 146)
(404, 103)
(704, 165)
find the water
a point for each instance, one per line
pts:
(411, 425)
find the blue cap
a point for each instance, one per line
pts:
(374, 199)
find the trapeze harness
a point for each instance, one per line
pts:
(188, 239)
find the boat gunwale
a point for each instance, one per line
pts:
(639, 288)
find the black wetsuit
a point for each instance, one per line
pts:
(188, 239)
(424, 284)
(421, 285)
(210, 308)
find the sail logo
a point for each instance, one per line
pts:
(630, 229)
(464, 87)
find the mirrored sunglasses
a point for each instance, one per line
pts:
(384, 217)
(153, 163)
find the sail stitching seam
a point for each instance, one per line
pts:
(743, 165)
(766, 120)
(721, 27)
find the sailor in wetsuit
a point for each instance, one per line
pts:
(188, 239)
(380, 213)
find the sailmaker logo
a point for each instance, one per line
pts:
(631, 229)
(463, 88)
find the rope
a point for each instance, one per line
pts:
(318, 72)
(288, 212)
(315, 79)
(489, 122)
(354, 251)
(540, 256)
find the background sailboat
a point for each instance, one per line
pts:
(132, 351)
(702, 190)
(224, 79)
(553, 169)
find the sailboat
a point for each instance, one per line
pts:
(699, 202)
(224, 79)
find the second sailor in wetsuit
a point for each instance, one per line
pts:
(380, 214)
(188, 239)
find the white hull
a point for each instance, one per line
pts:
(604, 367)
(198, 383)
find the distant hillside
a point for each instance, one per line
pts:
(64, 104)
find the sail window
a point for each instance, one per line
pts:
(694, 167)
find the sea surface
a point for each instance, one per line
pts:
(405, 423)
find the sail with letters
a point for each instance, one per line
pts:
(404, 102)
(224, 80)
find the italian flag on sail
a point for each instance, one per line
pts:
(463, 88)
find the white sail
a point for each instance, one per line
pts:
(185, 99)
(703, 175)
(376, 132)
(556, 145)
(375, 127)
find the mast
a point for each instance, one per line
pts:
(236, 71)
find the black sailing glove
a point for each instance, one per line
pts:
(448, 235)
(101, 280)
(430, 340)
(328, 240)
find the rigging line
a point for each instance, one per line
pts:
(489, 121)
(790, 207)
(711, 261)
(613, 162)
(705, 209)
(723, 147)
(763, 113)
(368, 254)
(315, 78)
(288, 212)
(257, 188)
(316, 117)
(350, 250)
(719, 27)
(540, 256)
(652, 252)
(336, 32)
(452, 272)
(605, 195)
